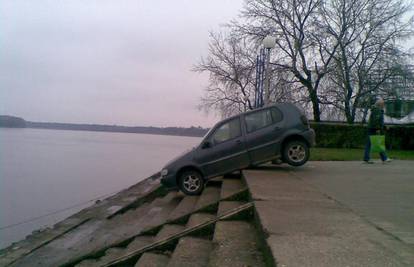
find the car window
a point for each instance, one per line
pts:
(258, 120)
(227, 131)
(276, 115)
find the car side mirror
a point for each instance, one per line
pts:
(205, 145)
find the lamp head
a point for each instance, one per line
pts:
(269, 42)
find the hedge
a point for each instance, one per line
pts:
(341, 135)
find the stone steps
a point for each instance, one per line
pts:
(160, 210)
(149, 259)
(234, 241)
(111, 254)
(226, 206)
(209, 197)
(101, 210)
(133, 213)
(231, 187)
(191, 252)
(169, 230)
(139, 242)
(115, 253)
(148, 215)
(130, 198)
(199, 218)
(235, 244)
(88, 263)
(185, 207)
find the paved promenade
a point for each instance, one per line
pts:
(336, 213)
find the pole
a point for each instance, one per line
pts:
(256, 92)
(262, 67)
(267, 77)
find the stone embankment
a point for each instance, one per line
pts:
(147, 226)
(269, 216)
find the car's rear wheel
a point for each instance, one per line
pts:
(296, 153)
(191, 182)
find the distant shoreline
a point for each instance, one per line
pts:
(100, 131)
(16, 122)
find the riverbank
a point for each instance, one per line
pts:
(150, 220)
(101, 211)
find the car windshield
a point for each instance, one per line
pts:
(235, 123)
(205, 136)
(227, 131)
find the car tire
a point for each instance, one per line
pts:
(191, 182)
(296, 153)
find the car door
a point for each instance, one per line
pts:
(225, 150)
(264, 129)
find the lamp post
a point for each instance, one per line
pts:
(269, 42)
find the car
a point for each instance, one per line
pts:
(278, 131)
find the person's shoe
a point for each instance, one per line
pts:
(387, 161)
(368, 162)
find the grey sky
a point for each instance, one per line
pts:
(107, 61)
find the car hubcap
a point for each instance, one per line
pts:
(192, 183)
(297, 153)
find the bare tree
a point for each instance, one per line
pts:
(329, 54)
(283, 86)
(231, 68)
(367, 32)
(231, 65)
(303, 47)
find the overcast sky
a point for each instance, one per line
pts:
(125, 62)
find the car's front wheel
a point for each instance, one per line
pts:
(191, 182)
(296, 153)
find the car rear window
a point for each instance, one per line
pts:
(258, 120)
(227, 131)
(276, 115)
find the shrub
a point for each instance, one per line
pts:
(341, 135)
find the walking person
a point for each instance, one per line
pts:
(375, 127)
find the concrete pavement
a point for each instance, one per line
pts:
(381, 193)
(336, 213)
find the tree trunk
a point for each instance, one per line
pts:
(315, 104)
(348, 113)
(365, 115)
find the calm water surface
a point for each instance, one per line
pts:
(42, 171)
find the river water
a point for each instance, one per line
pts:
(43, 171)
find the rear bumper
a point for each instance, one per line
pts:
(309, 135)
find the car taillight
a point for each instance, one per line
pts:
(304, 120)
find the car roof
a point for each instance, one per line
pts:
(254, 110)
(278, 105)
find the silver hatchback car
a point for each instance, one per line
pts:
(279, 131)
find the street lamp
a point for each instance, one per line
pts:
(269, 42)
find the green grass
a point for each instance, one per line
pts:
(343, 154)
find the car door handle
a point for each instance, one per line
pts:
(277, 128)
(239, 142)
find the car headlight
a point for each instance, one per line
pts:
(164, 172)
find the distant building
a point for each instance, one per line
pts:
(399, 96)
(407, 119)
(399, 108)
